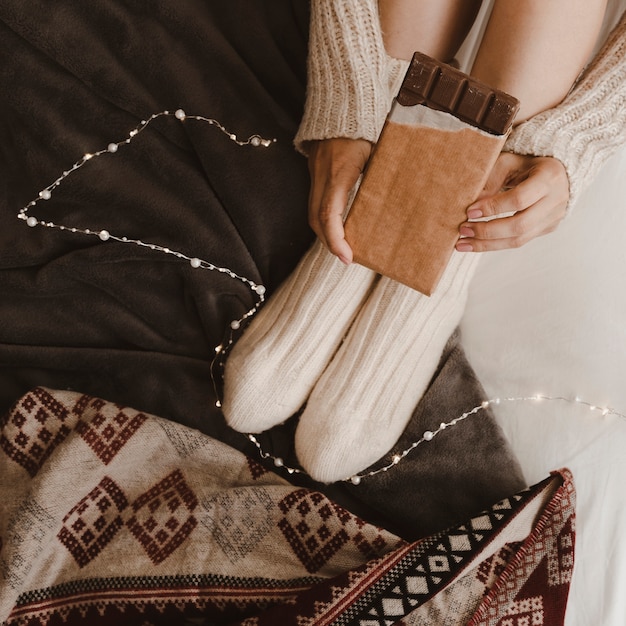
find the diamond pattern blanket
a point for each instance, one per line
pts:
(112, 516)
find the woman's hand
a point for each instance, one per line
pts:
(335, 166)
(526, 195)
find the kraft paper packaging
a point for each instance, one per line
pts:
(427, 167)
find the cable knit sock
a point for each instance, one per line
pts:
(366, 396)
(277, 361)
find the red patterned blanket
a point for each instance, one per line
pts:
(112, 516)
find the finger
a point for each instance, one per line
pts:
(328, 202)
(509, 232)
(335, 166)
(316, 193)
(522, 196)
(328, 220)
(506, 202)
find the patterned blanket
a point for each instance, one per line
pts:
(112, 516)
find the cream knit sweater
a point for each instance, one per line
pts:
(351, 82)
(350, 76)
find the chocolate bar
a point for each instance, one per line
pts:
(445, 88)
(439, 143)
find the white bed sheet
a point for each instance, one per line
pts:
(550, 318)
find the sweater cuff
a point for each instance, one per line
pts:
(538, 137)
(348, 71)
(323, 122)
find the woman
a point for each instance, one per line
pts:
(362, 375)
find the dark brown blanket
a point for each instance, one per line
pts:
(116, 321)
(138, 327)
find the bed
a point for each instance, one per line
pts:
(124, 496)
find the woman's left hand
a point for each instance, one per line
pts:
(526, 195)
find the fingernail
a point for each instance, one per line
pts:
(464, 247)
(474, 214)
(466, 231)
(344, 259)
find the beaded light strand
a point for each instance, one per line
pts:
(429, 435)
(258, 290)
(105, 235)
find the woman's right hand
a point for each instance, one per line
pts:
(335, 166)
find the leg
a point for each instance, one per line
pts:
(434, 27)
(365, 397)
(535, 49)
(274, 366)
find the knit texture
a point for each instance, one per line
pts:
(366, 396)
(351, 80)
(589, 125)
(348, 73)
(274, 366)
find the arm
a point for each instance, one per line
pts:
(590, 124)
(347, 93)
(351, 82)
(570, 143)
(346, 106)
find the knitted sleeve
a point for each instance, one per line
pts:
(589, 125)
(347, 93)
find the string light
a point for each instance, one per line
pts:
(429, 435)
(106, 235)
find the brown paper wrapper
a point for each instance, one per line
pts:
(439, 143)
(413, 197)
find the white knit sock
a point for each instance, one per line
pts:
(275, 364)
(366, 396)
